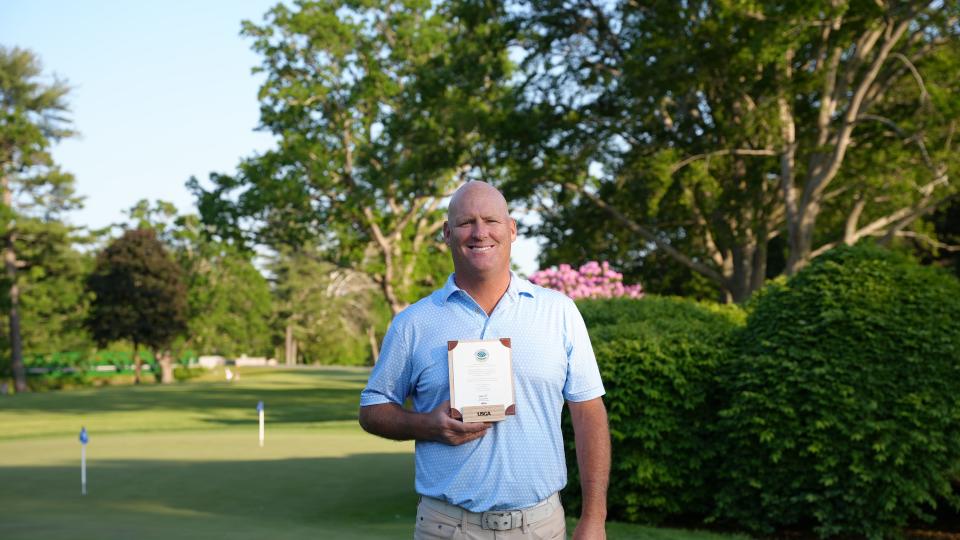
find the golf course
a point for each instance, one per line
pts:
(184, 461)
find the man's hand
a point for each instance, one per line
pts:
(394, 422)
(590, 529)
(449, 430)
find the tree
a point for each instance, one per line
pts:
(31, 120)
(374, 126)
(229, 303)
(330, 315)
(53, 300)
(577, 233)
(139, 296)
(936, 239)
(709, 129)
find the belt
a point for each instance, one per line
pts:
(497, 521)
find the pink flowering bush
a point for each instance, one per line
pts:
(592, 280)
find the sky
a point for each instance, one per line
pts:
(160, 92)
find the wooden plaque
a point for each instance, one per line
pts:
(481, 380)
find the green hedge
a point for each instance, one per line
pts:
(657, 357)
(89, 360)
(616, 311)
(842, 411)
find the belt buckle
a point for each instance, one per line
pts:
(499, 521)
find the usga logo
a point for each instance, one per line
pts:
(481, 355)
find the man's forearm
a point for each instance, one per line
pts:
(592, 437)
(392, 421)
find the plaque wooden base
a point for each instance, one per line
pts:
(484, 413)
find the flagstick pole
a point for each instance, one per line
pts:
(83, 469)
(261, 428)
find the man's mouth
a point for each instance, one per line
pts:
(480, 249)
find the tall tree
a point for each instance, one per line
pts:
(31, 120)
(374, 128)
(139, 296)
(709, 129)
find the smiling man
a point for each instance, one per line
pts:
(493, 481)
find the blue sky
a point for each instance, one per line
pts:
(161, 91)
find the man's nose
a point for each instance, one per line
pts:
(480, 230)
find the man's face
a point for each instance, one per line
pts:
(479, 232)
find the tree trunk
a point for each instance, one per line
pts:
(16, 346)
(749, 268)
(801, 242)
(374, 348)
(136, 363)
(289, 352)
(165, 359)
(10, 262)
(742, 273)
(759, 273)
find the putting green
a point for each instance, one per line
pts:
(183, 461)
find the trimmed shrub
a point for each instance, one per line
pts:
(616, 311)
(185, 373)
(657, 357)
(844, 405)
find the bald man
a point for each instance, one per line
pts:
(493, 481)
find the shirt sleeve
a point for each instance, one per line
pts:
(390, 379)
(583, 376)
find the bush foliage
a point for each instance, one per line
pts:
(833, 408)
(843, 410)
(656, 357)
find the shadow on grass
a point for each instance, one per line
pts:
(272, 498)
(361, 496)
(306, 396)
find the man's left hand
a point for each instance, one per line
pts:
(590, 529)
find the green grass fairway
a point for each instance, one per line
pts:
(183, 461)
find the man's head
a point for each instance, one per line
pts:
(479, 231)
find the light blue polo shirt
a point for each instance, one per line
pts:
(519, 461)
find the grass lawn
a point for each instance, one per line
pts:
(183, 461)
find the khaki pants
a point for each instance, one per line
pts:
(432, 525)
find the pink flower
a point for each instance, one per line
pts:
(591, 280)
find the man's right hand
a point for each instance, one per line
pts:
(394, 422)
(449, 430)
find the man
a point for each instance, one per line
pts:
(480, 480)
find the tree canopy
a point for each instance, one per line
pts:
(375, 125)
(139, 294)
(715, 131)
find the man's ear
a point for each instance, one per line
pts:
(446, 232)
(513, 229)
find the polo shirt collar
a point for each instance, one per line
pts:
(518, 286)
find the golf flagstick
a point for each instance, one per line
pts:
(83, 460)
(260, 410)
